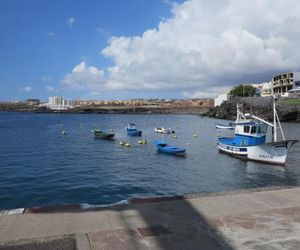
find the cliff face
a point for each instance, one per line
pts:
(260, 106)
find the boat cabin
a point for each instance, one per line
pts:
(250, 133)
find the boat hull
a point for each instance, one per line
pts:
(134, 132)
(168, 149)
(223, 126)
(163, 131)
(273, 153)
(103, 135)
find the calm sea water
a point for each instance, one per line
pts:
(41, 166)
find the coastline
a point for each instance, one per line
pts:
(110, 110)
(260, 106)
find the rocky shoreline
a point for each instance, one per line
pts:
(110, 110)
(259, 106)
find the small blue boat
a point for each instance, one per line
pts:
(132, 130)
(165, 148)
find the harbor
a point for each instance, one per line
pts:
(41, 166)
(247, 219)
(156, 125)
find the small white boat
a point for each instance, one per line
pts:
(224, 126)
(164, 130)
(250, 139)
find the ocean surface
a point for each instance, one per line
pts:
(41, 166)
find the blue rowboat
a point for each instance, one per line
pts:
(165, 148)
(132, 130)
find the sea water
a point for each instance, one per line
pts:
(40, 165)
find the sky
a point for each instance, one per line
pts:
(121, 49)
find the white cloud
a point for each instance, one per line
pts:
(204, 48)
(51, 89)
(26, 89)
(85, 77)
(70, 21)
(51, 34)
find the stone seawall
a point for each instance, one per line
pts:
(252, 219)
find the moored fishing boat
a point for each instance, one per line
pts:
(250, 139)
(165, 148)
(132, 130)
(102, 135)
(224, 126)
(164, 130)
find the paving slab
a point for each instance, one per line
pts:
(267, 219)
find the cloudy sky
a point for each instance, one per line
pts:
(113, 49)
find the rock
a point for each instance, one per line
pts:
(259, 106)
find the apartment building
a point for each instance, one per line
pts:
(283, 83)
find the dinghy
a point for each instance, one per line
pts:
(164, 130)
(103, 135)
(132, 130)
(165, 148)
(223, 126)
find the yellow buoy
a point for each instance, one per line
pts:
(142, 142)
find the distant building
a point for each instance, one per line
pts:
(283, 83)
(263, 89)
(220, 99)
(32, 102)
(59, 103)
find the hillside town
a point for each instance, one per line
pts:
(284, 85)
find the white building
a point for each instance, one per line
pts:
(220, 99)
(59, 103)
(264, 88)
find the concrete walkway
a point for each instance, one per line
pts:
(266, 219)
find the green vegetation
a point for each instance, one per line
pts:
(243, 90)
(290, 101)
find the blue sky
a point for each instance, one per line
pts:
(40, 43)
(119, 49)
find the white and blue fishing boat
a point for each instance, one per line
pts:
(250, 139)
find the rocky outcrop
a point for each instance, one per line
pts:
(260, 106)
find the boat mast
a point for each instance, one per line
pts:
(274, 120)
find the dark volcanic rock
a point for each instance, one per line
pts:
(259, 106)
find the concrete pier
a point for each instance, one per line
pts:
(254, 219)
